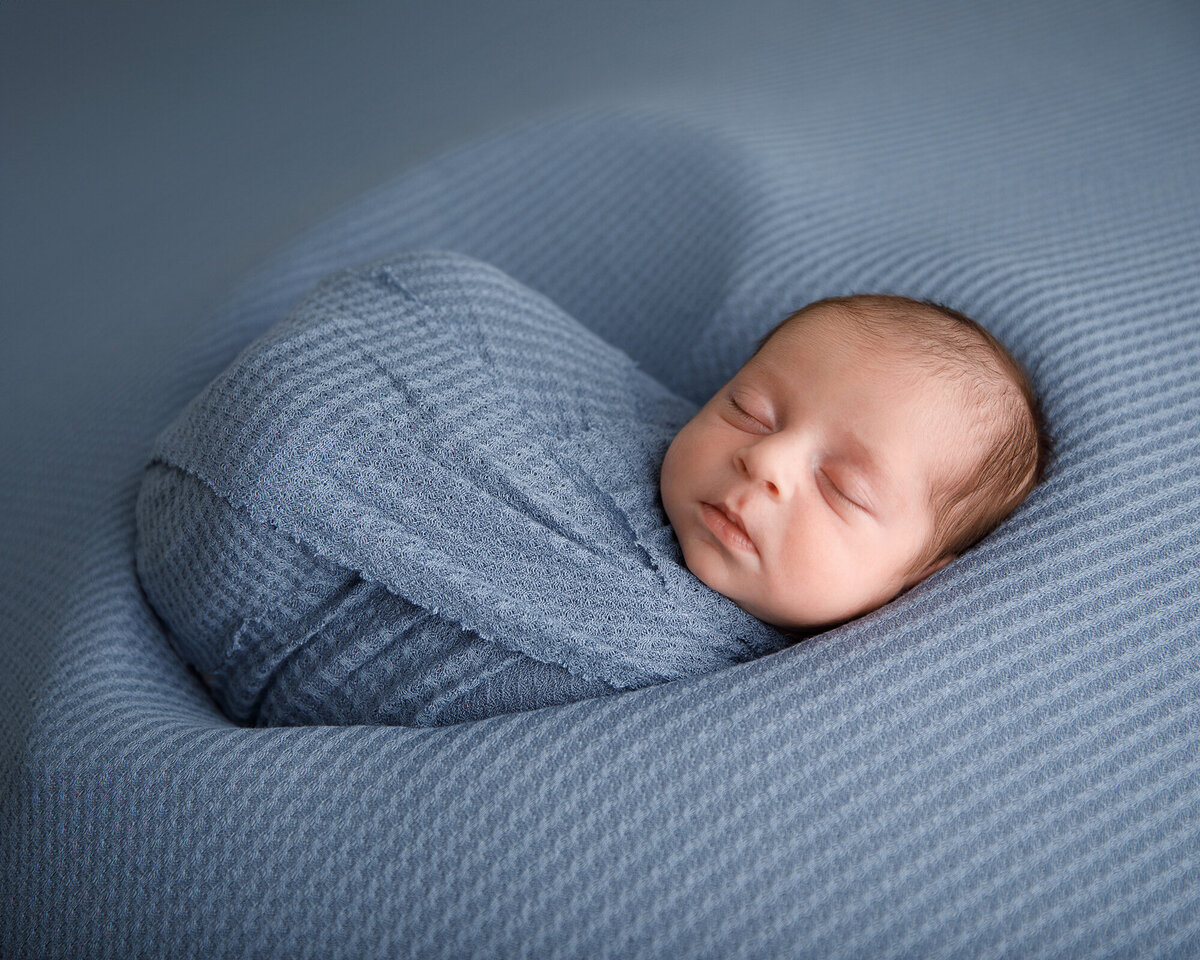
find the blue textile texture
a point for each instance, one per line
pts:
(428, 496)
(1005, 762)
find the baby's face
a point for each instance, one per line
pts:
(824, 448)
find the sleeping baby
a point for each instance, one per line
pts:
(867, 442)
(429, 496)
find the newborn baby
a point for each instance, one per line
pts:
(428, 496)
(867, 442)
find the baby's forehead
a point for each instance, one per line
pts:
(830, 337)
(906, 343)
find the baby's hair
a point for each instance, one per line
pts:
(1018, 445)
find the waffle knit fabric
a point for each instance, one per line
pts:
(427, 496)
(1004, 763)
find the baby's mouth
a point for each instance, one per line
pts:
(727, 526)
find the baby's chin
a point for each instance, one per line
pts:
(791, 621)
(786, 614)
(708, 569)
(788, 623)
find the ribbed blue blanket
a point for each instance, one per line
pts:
(427, 496)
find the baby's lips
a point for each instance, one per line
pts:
(734, 520)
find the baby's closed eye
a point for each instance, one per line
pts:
(742, 415)
(839, 491)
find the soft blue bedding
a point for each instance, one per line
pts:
(427, 496)
(1005, 762)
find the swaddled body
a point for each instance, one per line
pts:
(427, 496)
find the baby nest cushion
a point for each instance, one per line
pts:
(426, 496)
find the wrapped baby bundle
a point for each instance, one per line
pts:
(427, 496)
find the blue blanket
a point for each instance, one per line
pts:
(427, 496)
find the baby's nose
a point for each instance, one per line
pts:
(757, 468)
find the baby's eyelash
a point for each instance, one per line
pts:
(838, 490)
(736, 407)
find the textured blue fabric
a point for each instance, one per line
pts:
(427, 496)
(1003, 763)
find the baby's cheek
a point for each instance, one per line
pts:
(669, 478)
(803, 593)
(699, 562)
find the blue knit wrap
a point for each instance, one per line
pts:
(428, 495)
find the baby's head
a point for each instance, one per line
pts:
(866, 443)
